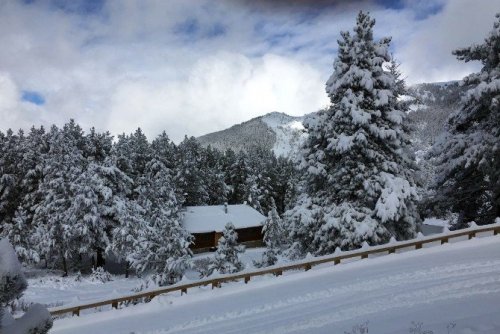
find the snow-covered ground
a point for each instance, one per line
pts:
(53, 290)
(436, 222)
(456, 283)
(434, 225)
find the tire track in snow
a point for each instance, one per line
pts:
(475, 287)
(435, 284)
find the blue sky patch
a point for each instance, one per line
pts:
(429, 9)
(189, 27)
(80, 7)
(216, 30)
(421, 10)
(279, 38)
(191, 30)
(392, 4)
(33, 97)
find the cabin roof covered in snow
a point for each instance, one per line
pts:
(198, 219)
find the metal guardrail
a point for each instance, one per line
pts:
(307, 264)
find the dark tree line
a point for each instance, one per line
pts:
(67, 196)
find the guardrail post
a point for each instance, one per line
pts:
(496, 231)
(472, 235)
(307, 267)
(418, 246)
(364, 256)
(215, 285)
(279, 273)
(392, 250)
(184, 291)
(444, 241)
(76, 312)
(247, 279)
(336, 261)
(114, 305)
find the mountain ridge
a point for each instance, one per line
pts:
(430, 105)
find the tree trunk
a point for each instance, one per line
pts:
(80, 263)
(127, 267)
(100, 261)
(65, 266)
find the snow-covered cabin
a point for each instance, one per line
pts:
(206, 223)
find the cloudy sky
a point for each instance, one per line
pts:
(197, 66)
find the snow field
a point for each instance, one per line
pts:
(290, 133)
(458, 282)
(53, 290)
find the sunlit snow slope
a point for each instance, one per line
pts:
(455, 283)
(289, 130)
(276, 131)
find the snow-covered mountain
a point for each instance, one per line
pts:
(431, 105)
(277, 131)
(289, 131)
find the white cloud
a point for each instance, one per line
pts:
(427, 57)
(9, 97)
(13, 112)
(221, 90)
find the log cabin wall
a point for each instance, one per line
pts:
(250, 236)
(203, 240)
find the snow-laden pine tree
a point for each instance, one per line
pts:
(190, 176)
(99, 204)
(214, 176)
(358, 180)
(97, 146)
(162, 244)
(164, 150)
(253, 192)
(125, 234)
(227, 260)
(37, 319)
(274, 237)
(34, 150)
(273, 229)
(10, 178)
(261, 179)
(285, 188)
(19, 233)
(237, 173)
(248, 179)
(132, 153)
(53, 234)
(469, 155)
(399, 82)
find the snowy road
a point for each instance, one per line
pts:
(456, 283)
